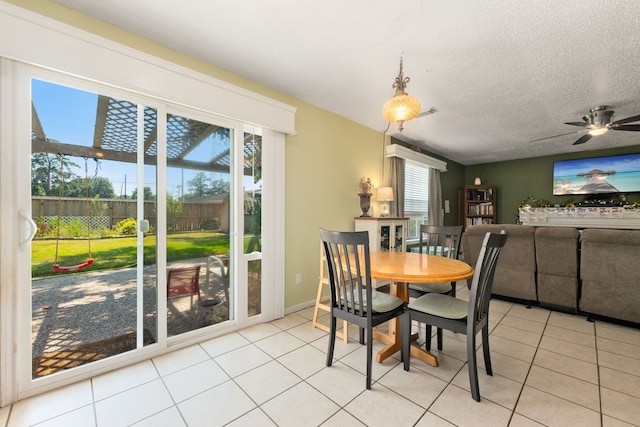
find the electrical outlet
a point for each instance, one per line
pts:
(298, 278)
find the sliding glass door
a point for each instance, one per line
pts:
(93, 257)
(198, 212)
(252, 218)
(146, 223)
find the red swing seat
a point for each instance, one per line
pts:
(73, 267)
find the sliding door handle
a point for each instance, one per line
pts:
(27, 229)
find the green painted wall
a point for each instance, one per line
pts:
(451, 180)
(515, 180)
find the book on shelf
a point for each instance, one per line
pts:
(485, 208)
(480, 194)
(479, 221)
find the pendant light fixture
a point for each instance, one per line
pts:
(402, 107)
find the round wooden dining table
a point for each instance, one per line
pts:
(401, 268)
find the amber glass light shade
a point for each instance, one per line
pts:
(401, 108)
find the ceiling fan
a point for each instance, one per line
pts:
(598, 122)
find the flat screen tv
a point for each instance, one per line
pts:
(597, 175)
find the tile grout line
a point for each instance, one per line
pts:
(595, 339)
(175, 404)
(562, 373)
(524, 382)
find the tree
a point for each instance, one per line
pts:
(45, 173)
(100, 187)
(199, 186)
(174, 210)
(146, 195)
(219, 186)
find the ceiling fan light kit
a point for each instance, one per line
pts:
(598, 131)
(598, 122)
(402, 107)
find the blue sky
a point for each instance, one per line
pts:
(68, 115)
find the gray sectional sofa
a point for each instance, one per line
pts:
(591, 271)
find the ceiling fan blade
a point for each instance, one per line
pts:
(632, 128)
(555, 136)
(583, 139)
(627, 120)
(581, 124)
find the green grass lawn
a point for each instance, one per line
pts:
(115, 253)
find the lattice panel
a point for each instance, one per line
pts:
(184, 134)
(96, 222)
(116, 131)
(121, 124)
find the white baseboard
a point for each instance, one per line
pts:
(299, 307)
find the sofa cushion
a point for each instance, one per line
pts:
(610, 274)
(515, 274)
(557, 250)
(557, 266)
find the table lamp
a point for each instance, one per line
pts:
(385, 195)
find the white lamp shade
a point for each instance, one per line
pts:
(385, 194)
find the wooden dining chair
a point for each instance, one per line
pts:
(457, 315)
(442, 241)
(351, 296)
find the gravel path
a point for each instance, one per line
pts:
(74, 309)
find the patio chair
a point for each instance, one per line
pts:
(352, 297)
(183, 281)
(460, 316)
(217, 278)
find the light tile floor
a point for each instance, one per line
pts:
(550, 369)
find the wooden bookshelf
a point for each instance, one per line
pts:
(477, 205)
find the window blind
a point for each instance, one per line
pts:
(416, 190)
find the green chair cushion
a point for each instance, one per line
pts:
(382, 302)
(441, 306)
(437, 288)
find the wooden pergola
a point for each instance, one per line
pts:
(115, 139)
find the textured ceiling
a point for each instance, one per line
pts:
(500, 72)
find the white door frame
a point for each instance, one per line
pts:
(15, 267)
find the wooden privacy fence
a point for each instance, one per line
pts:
(193, 215)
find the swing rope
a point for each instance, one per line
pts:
(89, 261)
